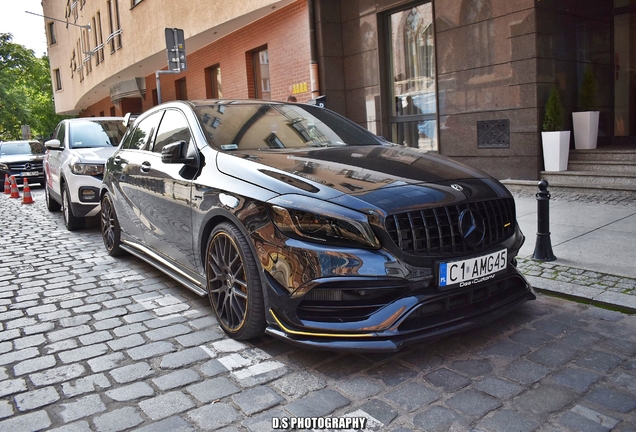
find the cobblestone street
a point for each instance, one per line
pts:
(94, 343)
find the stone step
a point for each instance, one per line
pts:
(621, 181)
(603, 155)
(627, 167)
(580, 182)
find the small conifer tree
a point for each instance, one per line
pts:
(553, 120)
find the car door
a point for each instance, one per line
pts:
(165, 195)
(127, 178)
(53, 162)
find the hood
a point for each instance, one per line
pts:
(388, 177)
(21, 158)
(94, 155)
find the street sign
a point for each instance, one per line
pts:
(175, 48)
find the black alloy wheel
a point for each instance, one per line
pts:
(111, 231)
(51, 204)
(234, 285)
(72, 223)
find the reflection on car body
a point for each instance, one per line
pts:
(297, 222)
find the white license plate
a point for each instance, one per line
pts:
(473, 270)
(30, 174)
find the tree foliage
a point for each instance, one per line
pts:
(26, 94)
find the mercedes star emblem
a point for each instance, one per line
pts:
(471, 227)
(28, 167)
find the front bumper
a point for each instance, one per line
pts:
(423, 315)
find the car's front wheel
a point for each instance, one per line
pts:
(111, 231)
(234, 285)
(70, 220)
(51, 204)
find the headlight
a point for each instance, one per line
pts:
(307, 218)
(87, 169)
(4, 167)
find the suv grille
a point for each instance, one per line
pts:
(435, 231)
(35, 166)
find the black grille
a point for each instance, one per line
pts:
(435, 231)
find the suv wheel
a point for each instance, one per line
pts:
(51, 204)
(72, 223)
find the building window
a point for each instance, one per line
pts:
(213, 88)
(260, 62)
(155, 97)
(58, 79)
(181, 89)
(113, 113)
(412, 72)
(98, 35)
(87, 54)
(51, 33)
(114, 28)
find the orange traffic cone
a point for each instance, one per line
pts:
(26, 197)
(14, 189)
(7, 184)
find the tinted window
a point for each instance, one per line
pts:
(173, 128)
(61, 130)
(139, 136)
(21, 148)
(247, 126)
(90, 134)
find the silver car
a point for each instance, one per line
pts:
(74, 165)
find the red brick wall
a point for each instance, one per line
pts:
(95, 110)
(286, 34)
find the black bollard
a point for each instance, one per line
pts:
(543, 247)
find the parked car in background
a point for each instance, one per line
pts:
(74, 165)
(23, 160)
(297, 222)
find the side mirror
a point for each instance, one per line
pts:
(176, 152)
(53, 144)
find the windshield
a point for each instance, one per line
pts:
(278, 126)
(21, 148)
(90, 134)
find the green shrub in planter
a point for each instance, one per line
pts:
(553, 120)
(587, 95)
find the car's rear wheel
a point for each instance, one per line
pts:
(51, 204)
(70, 220)
(111, 231)
(234, 285)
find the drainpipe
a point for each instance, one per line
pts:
(313, 63)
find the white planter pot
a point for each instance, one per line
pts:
(556, 149)
(585, 125)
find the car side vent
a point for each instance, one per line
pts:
(435, 231)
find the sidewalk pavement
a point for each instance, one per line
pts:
(594, 241)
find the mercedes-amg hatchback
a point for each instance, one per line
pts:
(298, 223)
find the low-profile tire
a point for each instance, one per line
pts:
(233, 283)
(111, 231)
(70, 220)
(51, 204)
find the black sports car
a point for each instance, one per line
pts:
(22, 160)
(301, 224)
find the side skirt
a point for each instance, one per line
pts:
(194, 284)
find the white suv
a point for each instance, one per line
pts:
(74, 165)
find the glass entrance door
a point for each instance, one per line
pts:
(625, 78)
(414, 102)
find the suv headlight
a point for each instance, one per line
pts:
(4, 167)
(87, 169)
(306, 218)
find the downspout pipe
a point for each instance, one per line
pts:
(313, 63)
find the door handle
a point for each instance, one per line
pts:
(145, 167)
